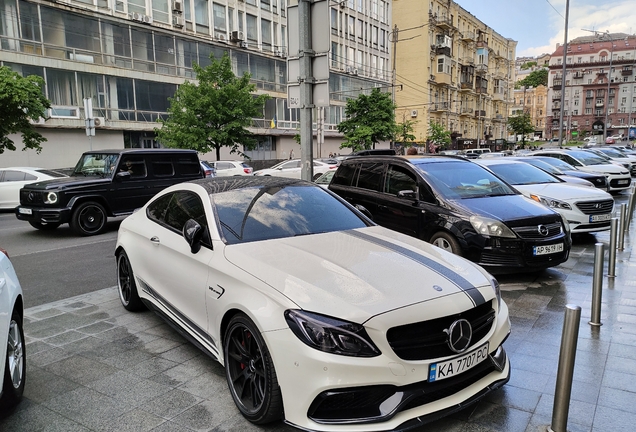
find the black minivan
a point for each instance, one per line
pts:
(457, 205)
(105, 183)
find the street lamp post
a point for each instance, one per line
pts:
(609, 81)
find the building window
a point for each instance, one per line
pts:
(219, 18)
(252, 28)
(266, 34)
(201, 17)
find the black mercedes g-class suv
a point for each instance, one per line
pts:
(105, 183)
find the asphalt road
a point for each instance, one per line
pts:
(54, 265)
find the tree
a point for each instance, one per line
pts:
(534, 79)
(438, 135)
(370, 119)
(521, 125)
(21, 100)
(404, 131)
(528, 65)
(213, 113)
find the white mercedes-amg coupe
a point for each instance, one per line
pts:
(320, 317)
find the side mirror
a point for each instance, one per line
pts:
(124, 175)
(193, 233)
(362, 209)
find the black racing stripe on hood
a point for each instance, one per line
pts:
(468, 288)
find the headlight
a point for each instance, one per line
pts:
(330, 334)
(566, 225)
(51, 198)
(491, 227)
(495, 286)
(551, 202)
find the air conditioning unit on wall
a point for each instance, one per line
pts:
(413, 113)
(177, 6)
(177, 21)
(99, 121)
(237, 36)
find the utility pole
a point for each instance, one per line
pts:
(565, 56)
(394, 77)
(306, 90)
(609, 81)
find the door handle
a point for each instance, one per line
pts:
(155, 240)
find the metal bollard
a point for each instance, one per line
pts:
(621, 229)
(597, 285)
(630, 211)
(611, 266)
(565, 373)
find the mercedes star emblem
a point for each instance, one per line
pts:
(460, 334)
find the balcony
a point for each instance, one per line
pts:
(442, 78)
(498, 95)
(466, 60)
(557, 85)
(481, 90)
(627, 71)
(556, 96)
(599, 104)
(466, 86)
(480, 113)
(444, 22)
(482, 44)
(578, 75)
(443, 50)
(466, 111)
(481, 69)
(440, 106)
(468, 36)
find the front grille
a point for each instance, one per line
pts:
(533, 232)
(31, 197)
(495, 259)
(426, 340)
(614, 183)
(596, 207)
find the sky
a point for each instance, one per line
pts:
(538, 26)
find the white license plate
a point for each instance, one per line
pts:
(453, 367)
(548, 249)
(600, 218)
(23, 210)
(623, 181)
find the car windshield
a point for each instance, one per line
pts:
(544, 166)
(612, 153)
(562, 165)
(459, 180)
(587, 158)
(522, 174)
(326, 177)
(96, 164)
(265, 213)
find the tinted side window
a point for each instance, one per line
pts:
(10, 176)
(183, 206)
(371, 176)
(344, 174)
(135, 166)
(399, 179)
(163, 168)
(188, 166)
(156, 210)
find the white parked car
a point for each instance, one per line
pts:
(12, 343)
(320, 317)
(586, 209)
(617, 176)
(615, 156)
(12, 179)
(231, 168)
(292, 169)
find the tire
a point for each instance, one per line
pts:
(89, 218)
(44, 226)
(250, 372)
(126, 286)
(15, 364)
(447, 242)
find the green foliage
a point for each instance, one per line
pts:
(370, 119)
(438, 135)
(528, 65)
(521, 125)
(404, 133)
(535, 79)
(21, 100)
(213, 113)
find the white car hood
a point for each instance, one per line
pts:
(605, 168)
(564, 192)
(357, 274)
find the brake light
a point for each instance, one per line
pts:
(333, 167)
(247, 170)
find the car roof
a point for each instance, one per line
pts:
(224, 184)
(141, 151)
(414, 159)
(498, 161)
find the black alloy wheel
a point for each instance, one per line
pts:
(89, 218)
(126, 284)
(250, 372)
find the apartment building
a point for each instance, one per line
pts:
(599, 88)
(531, 100)
(454, 70)
(129, 56)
